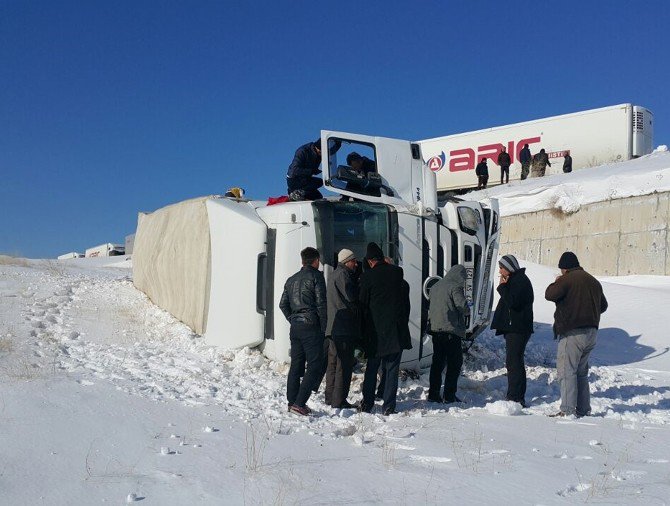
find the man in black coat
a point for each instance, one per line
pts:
(384, 299)
(513, 317)
(504, 161)
(343, 329)
(303, 303)
(567, 163)
(482, 172)
(524, 158)
(300, 180)
(360, 163)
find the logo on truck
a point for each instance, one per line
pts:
(468, 158)
(437, 162)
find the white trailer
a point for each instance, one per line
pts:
(253, 248)
(106, 250)
(593, 137)
(72, 254)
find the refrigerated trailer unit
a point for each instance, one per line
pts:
(106, 250)
(242, 252)
(593, 137)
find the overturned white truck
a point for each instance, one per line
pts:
(220, 264)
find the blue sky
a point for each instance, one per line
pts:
(110, 108)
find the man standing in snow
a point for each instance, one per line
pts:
(304, 306)
(504, 161)
(482, 173)
(447, 312)
(513, 318)
(540, 162)
(579, 302)
(567, 163)
(343, 329)
(524, 158)
(384, 298)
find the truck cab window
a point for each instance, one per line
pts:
(353, 167)
(353, 225)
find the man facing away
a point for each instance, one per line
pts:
(540, 162)
(504, 161)
(384, 298)
(343, 329)
(525, 158)
(579, 302)
(300, 180)
(513, 318)
(447, 312)
(482, 173)
(303, 303)
(567, 163)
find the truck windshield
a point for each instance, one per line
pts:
(353, 225)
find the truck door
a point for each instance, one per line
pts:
(398, 172)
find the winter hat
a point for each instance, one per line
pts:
(345, 255)
(374, 252)
(568, 261)
(510, 263)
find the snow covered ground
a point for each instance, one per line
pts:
(104, 398)
(568, 192)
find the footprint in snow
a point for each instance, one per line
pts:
(573, 489)
(425, 459)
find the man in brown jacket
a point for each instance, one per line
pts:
(579, 302)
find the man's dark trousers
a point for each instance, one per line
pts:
(515, 347)
(504, 171)
(310, 185)
(446, 349)
(390, 365)
(306, 346)
(341, 363)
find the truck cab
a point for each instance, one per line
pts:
(393, 203)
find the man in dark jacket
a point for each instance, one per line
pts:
(524, 158)
(360, 163)
(579, 302)
(343, 329)
(540, 162)
(447, 312)
(299, 179)
(504, 161)
(384, 299)
(482, 172)
(567, 163)
(304, 306)
(513, 318)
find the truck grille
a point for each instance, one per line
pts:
(486, 281)
(638, 121)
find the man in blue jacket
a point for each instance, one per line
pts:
(300, 180)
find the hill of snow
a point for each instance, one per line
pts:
(105, 399)
(568, 192)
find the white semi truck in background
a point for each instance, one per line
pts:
(220, 264)
(106, 250)
(593, 137)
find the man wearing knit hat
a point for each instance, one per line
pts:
(513, 318)
(343, 329)
(579, 302)
(384, 298)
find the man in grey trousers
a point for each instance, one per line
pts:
(579, 302)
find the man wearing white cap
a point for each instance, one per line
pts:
(343, 329)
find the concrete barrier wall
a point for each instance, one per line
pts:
(615, 238)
